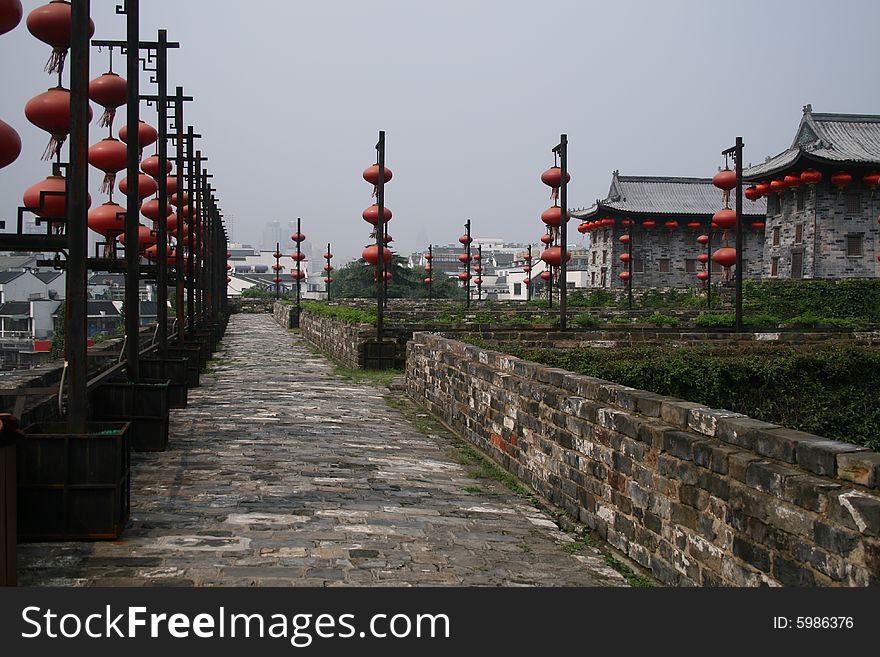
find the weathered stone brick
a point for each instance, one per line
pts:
(685, 516)
(768, 477)
(664, 571)
(693, 497)
(862, 468)
(627, 424)
(652, 434)
(752, 554)
(790, 573)
(857, 510)
(681, 444)
(809, 492)
(715, 484)
(648, 403)
(819, 456)
(838, 541)
(740, 431)
(705, 420)
(676, 411)
(738, 464)
(652, 522)
(712, 456)
(748, 501)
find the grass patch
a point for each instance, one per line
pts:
(376, 378)
(633, 578)
(473, 489)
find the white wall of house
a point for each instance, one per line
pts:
(41, 318)
(23, 288)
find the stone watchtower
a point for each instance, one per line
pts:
(822, 199)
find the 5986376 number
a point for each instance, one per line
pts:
(823, 622)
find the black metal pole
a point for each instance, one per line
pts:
(133, 201)
(563, 232)
(479, 273)
(298, 267)
(739, 234)
(629, 262)
(380, 237)
(162, 221)
(200, 202)
(75, 310)
(430, 273)
(186, 207)
(709, 264)
(329, 270)
(181, 220)
(529, 284)
(277, 280)
(467, 264)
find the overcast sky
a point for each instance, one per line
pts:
(290, 96)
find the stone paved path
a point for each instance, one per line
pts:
(281, 474)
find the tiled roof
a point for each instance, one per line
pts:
(831, 138)
(6, 276)
(19, 308)
(665, 196)
(47, 276)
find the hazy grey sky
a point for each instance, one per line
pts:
(290, 95)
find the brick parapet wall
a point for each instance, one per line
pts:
(698, 496)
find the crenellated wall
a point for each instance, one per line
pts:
(697, 496)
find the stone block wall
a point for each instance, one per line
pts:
(698, 496)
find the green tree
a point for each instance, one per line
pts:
(356, 280)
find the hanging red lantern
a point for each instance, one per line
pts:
(328, 268)
(625, 257)
(371, 175)
(297, 256)
(429, 257)
(714, 226)
(109, 155)
(150, 210)
(552, 177)
(702, 258)
(627, 222)
(10, 15)
(177, 199)
(463, 258)
(276, 280)
(48, 198)
(545, 275)
(583, 227)
(371, 254)
(429, 269)
(624, 276)
(329, 279)
(763, 188)
(146, 186)
(150, 166)
(10, 144)
(527, 280)
(371, 214)
(547, 238)
(703, 239)
(703, 276)
(725, 256)
(427, 281)
(841, 179)
(526, 256)
(694, 225)
(757, 225)
(478, 281)
(777, 186)
(297, 275)
(183, 229)
(107, 219)
(465, 239)
(624, 239)
(228, 267)
(328, 255)
(751, 192)
(871, 180)
(298, 237)
(608, 222)
(725, 218)
(228, 280)
(464, 276)
(50, 111)
(649, 224)
(110, 91)
(552, 216)
(671, 225)
(553, 256)
(171, 187)
(792, 181)
(277, 267)
(51, 24)
(146, 238)
(478, 269)
(811, 177)
(527, 269)
(147, 135)
(725, 180)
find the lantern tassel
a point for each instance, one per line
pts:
(725, 195)
(53, 147)
(106, 120)
(56, 61)
(375, 191)
(108, 183)
(554, 194)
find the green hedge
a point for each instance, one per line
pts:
(830, 391)
(345, 313)
(844, 299)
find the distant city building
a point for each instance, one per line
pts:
(823, 224)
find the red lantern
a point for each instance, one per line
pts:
(50, 111)
(703, 258)
(228, 267)
(107, 219)
(298, 237)
(627, 222)
(552, 177)
(527, 256)
(150, 210)
(150, 166)
(328, 255)
(671, 225)
(811, 177)
(465, 239)
(463, 258)
(371, 214)
(51, 24)
(583, 227)
(703, 276)
(297, 275)
(10, 15)
(328, 268)
(752, 193)
(478, 269)
(464, 276)
(48, 198)
(763, 188)
(108, 155)
(841, 179)
(297, 256)
(329, 279)
(608, 222)
(110, 92)
(228, 280)
(478, 281)
(545, 275)
(147, 134)
(777, 186)
(553, 256)
(725, 218)
(171, 187)
(10, 144)
(277, 267)
(725, 180)
(527, 269)
(547, 239)
(871, 180)
(791, 181)
(649, 224)
(177, 199)
(276, 280)
(725, 256)
(146, 186)
(694, 225)
(428, 281)
(552, 216)
(703, 239)
(624, 239)
(625, 257)
(757, 225)
(429, 257)
(528, 280)
(146, 238)
(624, 276)
(371, 175)
(429, 269)
(371, 254)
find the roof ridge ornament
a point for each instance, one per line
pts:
(808, 108)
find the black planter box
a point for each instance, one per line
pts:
(73, 487)
(194, 364)
(8, 531)
(172, 369)
(144, 404)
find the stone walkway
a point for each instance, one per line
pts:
(279, 474)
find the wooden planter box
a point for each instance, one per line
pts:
(173, 370)
(144, 405)
(8, 530)
(73, 487)
(194, 364)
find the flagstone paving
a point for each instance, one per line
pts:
(279, 473)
